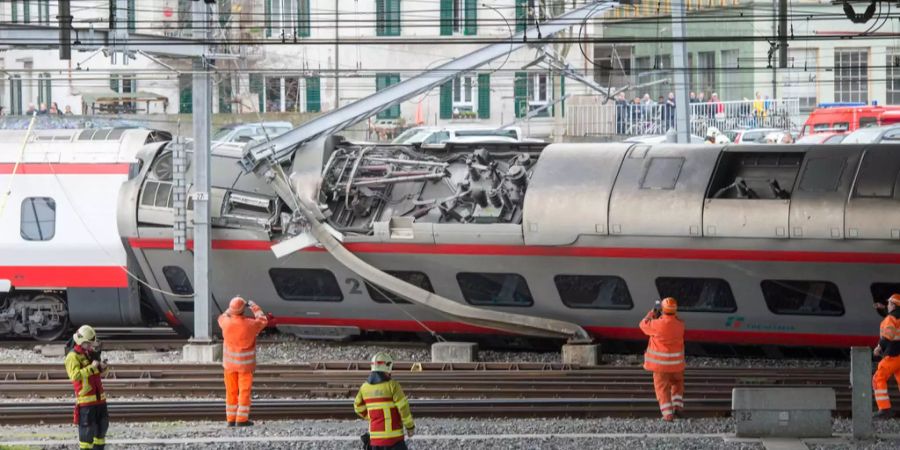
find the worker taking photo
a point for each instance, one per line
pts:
(665, 356)
(84, 368)
(239, 357)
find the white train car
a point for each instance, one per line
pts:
(62, 262)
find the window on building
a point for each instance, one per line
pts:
(22, 10)
(38, 221)
(387, 17)
(45, 91)
(730, 88)
(382, 81)
(123, 84)
(813, 298)
(822, 174)
(799, 80)
(178, 280)
(893, 76)
(306, 285)
(698, 294)
(226, 94)
(468, 96)
(540, 92)
(185, 93)
(851, 75)
(612, 65)
(494, 289)
(662, 173)
(284, 94)
(593, 291)
(380, 295)
(43, 11)
(706, 65)
(463, 94)
(185, 15)
(15, 94)
(288, 18)
(459, 17)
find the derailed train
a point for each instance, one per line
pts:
(784, 245)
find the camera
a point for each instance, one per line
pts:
(657, 309)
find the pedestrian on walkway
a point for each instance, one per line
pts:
(239, 357)
(84, 368)
(381, 400)
(889, 350)
(665, 356)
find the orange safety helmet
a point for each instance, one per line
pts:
(236, 307)
(895, 299)
(669, 305)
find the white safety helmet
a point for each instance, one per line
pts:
(85, 334)
(712, 132)
(382, 362)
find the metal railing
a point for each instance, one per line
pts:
(587, 116)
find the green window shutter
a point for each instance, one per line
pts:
(15, 12)
(446, 17)
(562, 93)
(303, 24)
(484, 96)
(471, 16)
(255, 83)
(395, 110)
(225, 94)
(447, 100)
(313, 95)
(394, 17)
(268, 19)
(521, 17)
(185, 94)
(520, 92)
(380, 18)
(382, 81)
(26, 8)
(114, 83)
(132, 14)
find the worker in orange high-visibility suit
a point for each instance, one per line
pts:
(381, 400)
(239, 357)
(889, 349)
(665, 356)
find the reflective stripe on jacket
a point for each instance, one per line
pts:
(387, 409)
(85, 378)
(889, 332)
(665, 351)
(239, 336)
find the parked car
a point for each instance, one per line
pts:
(829, 137)
(750, 135)
(248, 132)
(439, 135)
(874, 135)
(658, 139)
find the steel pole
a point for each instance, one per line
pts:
(680, 69)
(202, 117)
(861, 388)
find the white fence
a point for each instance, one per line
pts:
(588, 116)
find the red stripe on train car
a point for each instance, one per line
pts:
(65, 169)
(582, 252)
(617, 333)
(25, 277)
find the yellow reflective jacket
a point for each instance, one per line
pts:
(381, 400)
(85, 379)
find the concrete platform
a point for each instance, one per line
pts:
(196, 352)
(454, 352)
(581, 354)
(783, 412)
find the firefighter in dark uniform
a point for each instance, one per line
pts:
(84, 368)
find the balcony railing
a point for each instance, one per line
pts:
(587, 116)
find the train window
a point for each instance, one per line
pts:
(494, 289)
(148, 196)
(662, 173)
(162, 195)
(38, 221)
(593, 291)
(822, 174)
(380, 295)
(178, 280)
(878, 173)
(698, 294)
(306, 285)
(184, 306)
(881, 292)
(811, 298)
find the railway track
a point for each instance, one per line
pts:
(325, 390)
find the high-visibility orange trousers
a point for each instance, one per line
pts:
(887, 368)
(237, 395)
(669, 391)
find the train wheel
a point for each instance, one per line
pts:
(49, 318)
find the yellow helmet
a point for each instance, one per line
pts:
(382, 362)
(85, 334)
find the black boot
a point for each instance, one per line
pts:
(245, 424)
(231, 424)
(884, 414)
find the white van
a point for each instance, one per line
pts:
(440, 135)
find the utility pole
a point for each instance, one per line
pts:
(680, 69)
(337, 65)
